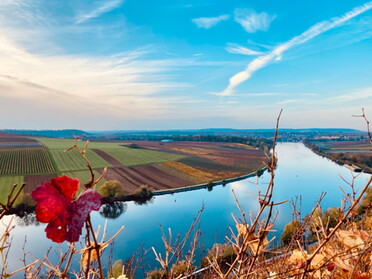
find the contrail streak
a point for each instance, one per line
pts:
(277, 52)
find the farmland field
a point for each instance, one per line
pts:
(357, 153)
(133, 163)
(63, 144)
(348, 146)
(84, 176)
(73, 161)
(131, 157)
(25, 161)
(6, 183)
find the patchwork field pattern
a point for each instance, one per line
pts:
(132, 157)
(157, 164)
(84, 177)
(349, 146)
(9, 141)
(357, 153)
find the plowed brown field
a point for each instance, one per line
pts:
(133, 177)
(34, 180)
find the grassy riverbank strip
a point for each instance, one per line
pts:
(210, 184)
(339, 158)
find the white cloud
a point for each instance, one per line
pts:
(252, 21)
(277, 52)
(359, 95)
(208, 22)
(106, 7)
(120, 87)
(238, 49)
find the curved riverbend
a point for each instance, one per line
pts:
(300, 172)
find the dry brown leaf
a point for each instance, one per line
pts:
(242, 229)
(93, 253)
(298, 256)
(362, 234)
(317, 261)
(368, 223)
(349, 238)
(254, 245)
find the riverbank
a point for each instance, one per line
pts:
(210, 184)
(344, 161)
(23, 209)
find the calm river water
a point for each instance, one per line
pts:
(300, 172)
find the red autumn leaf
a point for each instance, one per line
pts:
(66, 185)
(330, 267)
(65, 216)
(53, 197)
(79, 211)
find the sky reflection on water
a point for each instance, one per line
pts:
(300, 172)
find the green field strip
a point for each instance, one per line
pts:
(84, 177)
(6, 185)
(54, 163)
(72, 160)
(64, 144)
(133, 157)
(25, 161)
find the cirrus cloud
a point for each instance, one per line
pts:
(209, 22)
(276, 54)
(238, 49)
(252, 21)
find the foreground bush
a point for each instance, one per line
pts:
(111, 189)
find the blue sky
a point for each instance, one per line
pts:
(180, 64)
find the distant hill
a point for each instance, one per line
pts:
(69, 133)
(145, 134)
(285, 134)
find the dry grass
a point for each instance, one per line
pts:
(192, 171)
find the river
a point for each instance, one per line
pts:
(300, 173)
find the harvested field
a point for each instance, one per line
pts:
(176, 173)
(133, 177)
(189, 146)
(32, 181)
(164, 179)
(8, 138)
(108, 158)
(8, 141)
(206, 176)
(348, 146)
(19, 145)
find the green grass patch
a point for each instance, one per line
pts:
(72, 160)
(63, 144)
(25, 161)
(6, 185)
(132, 157)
